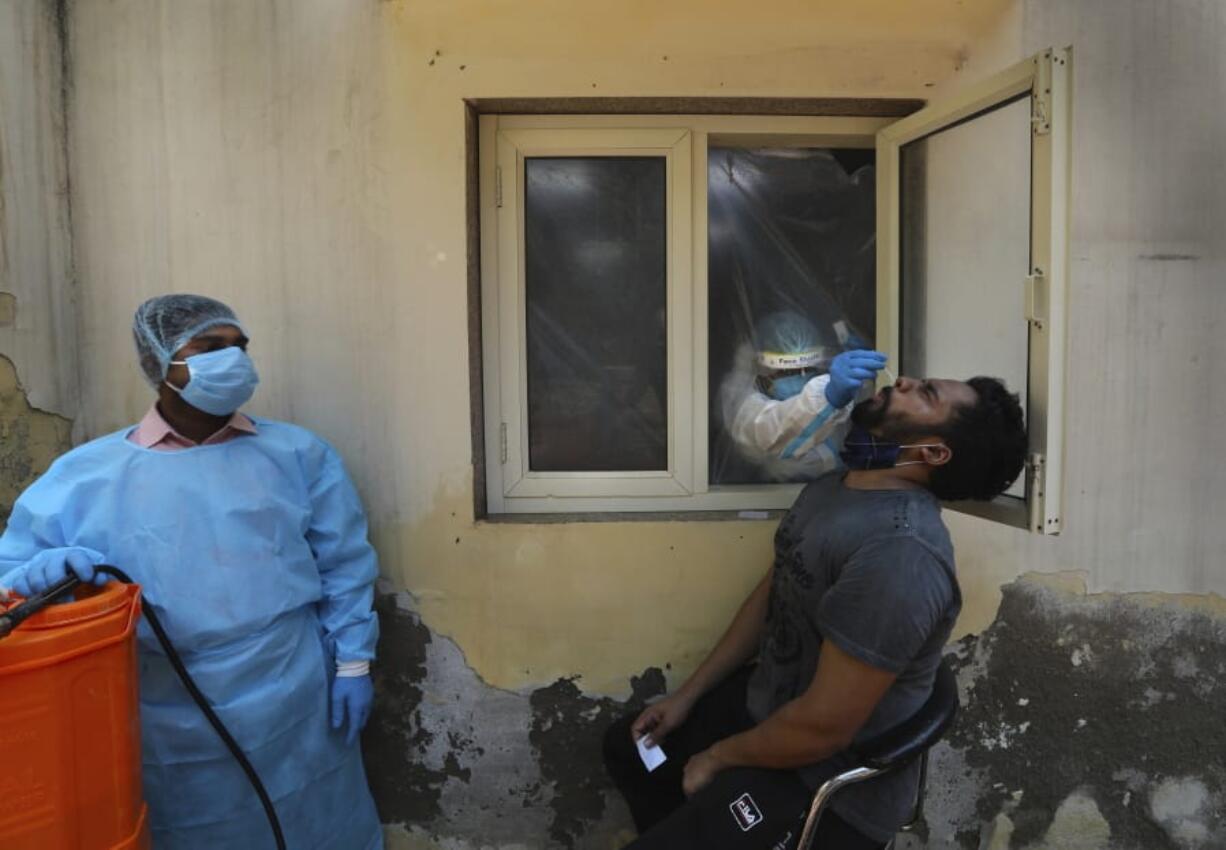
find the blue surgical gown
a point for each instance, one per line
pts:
(254, 554)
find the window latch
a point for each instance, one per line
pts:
(1036, 299)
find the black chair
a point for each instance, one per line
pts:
(893, 750)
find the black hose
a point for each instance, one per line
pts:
(206, 709)
(33, 605)
(15, 616)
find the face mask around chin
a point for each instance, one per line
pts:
(862, 450)
(221, 381)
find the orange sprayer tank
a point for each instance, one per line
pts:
(70, 728)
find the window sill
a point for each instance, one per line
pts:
(773, 515)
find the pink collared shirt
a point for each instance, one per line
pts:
(156, 433)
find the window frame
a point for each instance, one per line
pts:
(514, 146)
(1047, 76)
(510, 487)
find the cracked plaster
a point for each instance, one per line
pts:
(456, 763)
(1084, 723)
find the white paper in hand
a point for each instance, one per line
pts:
(652, 755)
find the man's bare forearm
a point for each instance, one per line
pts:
(815, 725)
(738, 644)
(788, 738)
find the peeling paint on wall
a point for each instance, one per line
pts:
(566, 733)
(455, 762)
(30, 439)
(532, 603)
(1088, 721)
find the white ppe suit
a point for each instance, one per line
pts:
(794, 439)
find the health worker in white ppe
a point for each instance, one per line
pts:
(250, 543)
(787, 402)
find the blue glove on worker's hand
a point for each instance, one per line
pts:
(51, 566)
(848, 371)
(352, 699)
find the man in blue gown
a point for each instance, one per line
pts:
(250, 543)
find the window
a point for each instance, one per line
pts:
(972, 273)
(629, 260)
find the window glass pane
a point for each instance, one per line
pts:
(792, 265)
(596, 267)
(965, 254)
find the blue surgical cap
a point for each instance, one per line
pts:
(164, 324)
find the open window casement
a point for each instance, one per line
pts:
(972, 262)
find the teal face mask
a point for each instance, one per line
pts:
(221, 381)
(784, 388)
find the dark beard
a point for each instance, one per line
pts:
(871, 413)
(874, 416)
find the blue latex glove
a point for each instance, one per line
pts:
(848, 371)
(352, 699)
(51, 566)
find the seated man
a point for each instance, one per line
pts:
(847, 628)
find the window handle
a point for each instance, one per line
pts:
(1036, 298)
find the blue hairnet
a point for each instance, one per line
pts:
(164, 324)
(787, 339)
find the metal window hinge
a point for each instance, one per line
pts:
(502, 443)
(1036, 300)
(498, 189)
(1040, 97)
(1036, 468)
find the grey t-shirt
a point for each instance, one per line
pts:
(873, 572)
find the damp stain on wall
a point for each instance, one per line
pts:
(454, 760)
(1088, 721)
(30, 439)
(1095, 714)
(567, 727)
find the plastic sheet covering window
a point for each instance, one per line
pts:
(791, 231)
(597, 358)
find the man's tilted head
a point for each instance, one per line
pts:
(979, 420)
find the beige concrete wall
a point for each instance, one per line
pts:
(38, 350)
(1146, 306)
(37, 330)
(304, 161)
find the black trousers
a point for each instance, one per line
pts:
(741, 809)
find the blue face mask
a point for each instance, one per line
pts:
(221, 381)
(861, 450)
(786, 387)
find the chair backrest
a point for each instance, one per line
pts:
(909, 739)
(893, 749)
